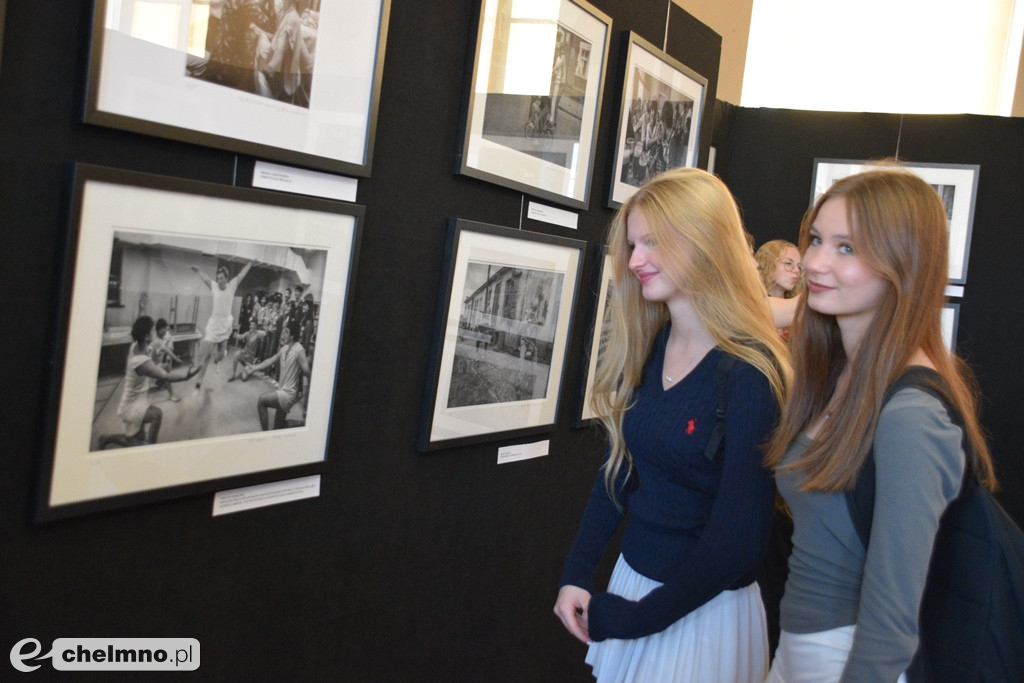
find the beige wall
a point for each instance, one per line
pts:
(731, 20)
(1018, 94)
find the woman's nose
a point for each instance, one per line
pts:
(636, 259)
(814, 262)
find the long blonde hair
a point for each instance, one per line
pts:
(898, 227)
(696, 226)
(768, 257)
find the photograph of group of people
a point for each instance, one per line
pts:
(658, 129)
(200, 342)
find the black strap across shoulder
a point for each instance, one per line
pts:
(860, 501)
(722, 371)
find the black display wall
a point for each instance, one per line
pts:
(407, 566)
(768, 163)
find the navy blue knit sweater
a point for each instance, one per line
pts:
(697, 526)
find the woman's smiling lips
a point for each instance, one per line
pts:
(645, 276)
(816, 288)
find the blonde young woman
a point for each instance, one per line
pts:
(681, 604)
(778, 264)
(875, 260)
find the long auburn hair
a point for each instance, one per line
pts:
(898, 227)
(696, 227)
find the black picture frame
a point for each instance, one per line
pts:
(502, 334)
(533, 103)
(211, 437)
(654, 83)
(175, 70)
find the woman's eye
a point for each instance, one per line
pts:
(845, 249)
(815, 240)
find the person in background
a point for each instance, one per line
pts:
(685, 296)
(778, 263)
(249, 343)
(292, 367)
(875, 261)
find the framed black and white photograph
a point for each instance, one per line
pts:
(950, 324)
(659, 117)
(534, 103)
(199, 338)
(957, 185)
(502, 334)
(599, 328)
(296, 81)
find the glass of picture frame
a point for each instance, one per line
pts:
(502, 334)
(229, 75)
(138, 248)
(659, 117)
(534, 102)
(957, 185)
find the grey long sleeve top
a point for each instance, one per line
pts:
(833, 581)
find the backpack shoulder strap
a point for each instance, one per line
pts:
(722, 370)
(860, 500)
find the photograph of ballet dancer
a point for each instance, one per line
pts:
(204, 344)
(265, 47)
(659, 118)
(200, 334)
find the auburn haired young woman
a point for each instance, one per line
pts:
(875, 262)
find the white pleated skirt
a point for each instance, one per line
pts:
(725, 640)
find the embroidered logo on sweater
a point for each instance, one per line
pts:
(691, 425)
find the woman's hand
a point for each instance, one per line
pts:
(571, 607)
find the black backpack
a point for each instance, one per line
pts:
(971, 624)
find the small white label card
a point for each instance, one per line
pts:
(553, 215)
(523, 451)
(262, 495)
(302, 181)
